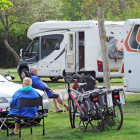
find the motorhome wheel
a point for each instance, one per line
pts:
(22, 73)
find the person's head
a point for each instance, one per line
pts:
(26, 82)
(33, 70)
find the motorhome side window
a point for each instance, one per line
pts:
(71, 42)
(32, 49)
(50, 44)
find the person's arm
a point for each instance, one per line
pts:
(40, 84)
(13, 102)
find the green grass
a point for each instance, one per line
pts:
(61, 84)
(57, 126)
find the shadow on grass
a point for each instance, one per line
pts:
(135, 102)
(116, 82)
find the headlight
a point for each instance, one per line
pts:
(3, 100)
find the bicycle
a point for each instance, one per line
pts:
(113, 116)
(91, 107)
(85, 105)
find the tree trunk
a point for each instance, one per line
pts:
(9, 47)
(103, 42)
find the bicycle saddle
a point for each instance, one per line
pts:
(81, 84)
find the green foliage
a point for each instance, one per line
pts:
(17, 39)
(26, 12)
(23, 12)
(72, 10)
(4, 4)
(115, 10)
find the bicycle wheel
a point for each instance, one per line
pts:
(114, 119)
(77, 120)
(71, 112)
(97, 121)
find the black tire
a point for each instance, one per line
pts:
(71, 112)
(76, 116)
(115, 119)
(97, 122)
(22, 73)
(53, 80)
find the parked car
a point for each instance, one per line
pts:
(8, 88)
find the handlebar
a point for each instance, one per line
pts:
(70, 77)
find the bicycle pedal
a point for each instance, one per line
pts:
(81, 127)
(77, 114)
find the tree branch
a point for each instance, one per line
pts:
(6, 20)
(17, 23)
(2, 19)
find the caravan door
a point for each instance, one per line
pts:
(71, 62)
(132, 55)
(133, 72)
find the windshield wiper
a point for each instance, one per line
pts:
(2, 81)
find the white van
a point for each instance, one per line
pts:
(68, 46)
(132, 55)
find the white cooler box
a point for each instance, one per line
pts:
(119, 93)
(109, 98)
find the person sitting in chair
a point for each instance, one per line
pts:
(25, 92)
(39, 84)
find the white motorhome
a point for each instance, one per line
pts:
(68, 46)
(132, 55)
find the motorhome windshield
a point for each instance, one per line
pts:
(32, 49)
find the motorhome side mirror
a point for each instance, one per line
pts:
(21, 52)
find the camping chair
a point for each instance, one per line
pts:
(2, 120)
(27, 121)
(3, 124)
(51, 108)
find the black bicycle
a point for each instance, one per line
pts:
(91, 107)
(84, 107)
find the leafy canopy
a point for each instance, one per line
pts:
(4, 4)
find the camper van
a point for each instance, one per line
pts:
(58, 47)
(132, 55)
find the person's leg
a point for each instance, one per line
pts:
(56, 105)
(16, 128)
(57, 100)
(61, 102)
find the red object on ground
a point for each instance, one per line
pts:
(75, 85)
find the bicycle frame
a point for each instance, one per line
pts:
(70, 94)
